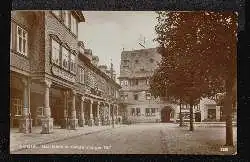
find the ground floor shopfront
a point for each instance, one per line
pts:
(151, 113)
(47, 103)
(204, 112)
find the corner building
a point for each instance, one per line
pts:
(52, 75)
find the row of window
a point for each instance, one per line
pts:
(68, 19)
(187, 106)
(136, 96)
(125, 62)
(22, 41)
(148, 112)
(92, 82)
(22, 35)
(133, 82)
(61, 56)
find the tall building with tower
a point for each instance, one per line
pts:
(136, 68)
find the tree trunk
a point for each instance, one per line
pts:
(180, 116)
(191, 128)
(229, 125)
(229, 130)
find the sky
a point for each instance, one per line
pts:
(106, 33)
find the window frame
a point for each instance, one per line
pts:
(22, 38)
(136, 97)
(133, 111)
(153, 111)
(147, 93)
(125, 96)
(17, 106)
(72, 64)
(68, 58)
(52, 52)
(81, 73)
(147, 113)
(138, 113)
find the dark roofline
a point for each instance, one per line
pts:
(79, 15)
(143, 49)
(87, 62)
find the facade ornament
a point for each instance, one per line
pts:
(47, 83)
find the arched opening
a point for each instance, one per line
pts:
(167, 113)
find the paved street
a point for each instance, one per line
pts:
(158, 138)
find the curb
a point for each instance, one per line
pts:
(65, 138)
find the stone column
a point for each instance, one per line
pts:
(73, 121)
(113, 115)
(25, 123)
(218, 113)
(47, 121)
(109, 118)
(82, 120)
(98, 122)
(64, 122)
(202, 111)
(117, 114)
(91, 119)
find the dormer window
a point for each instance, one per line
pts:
(82, 50)
(151, 60)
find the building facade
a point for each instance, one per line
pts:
(135, 70)
(54, 80)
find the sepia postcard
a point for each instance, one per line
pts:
(123, 82)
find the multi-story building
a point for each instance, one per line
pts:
(135, 70)
(54, 80)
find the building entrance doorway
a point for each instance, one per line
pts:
(198, 117)
(166, 114)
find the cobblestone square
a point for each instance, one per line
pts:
(161, 138)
